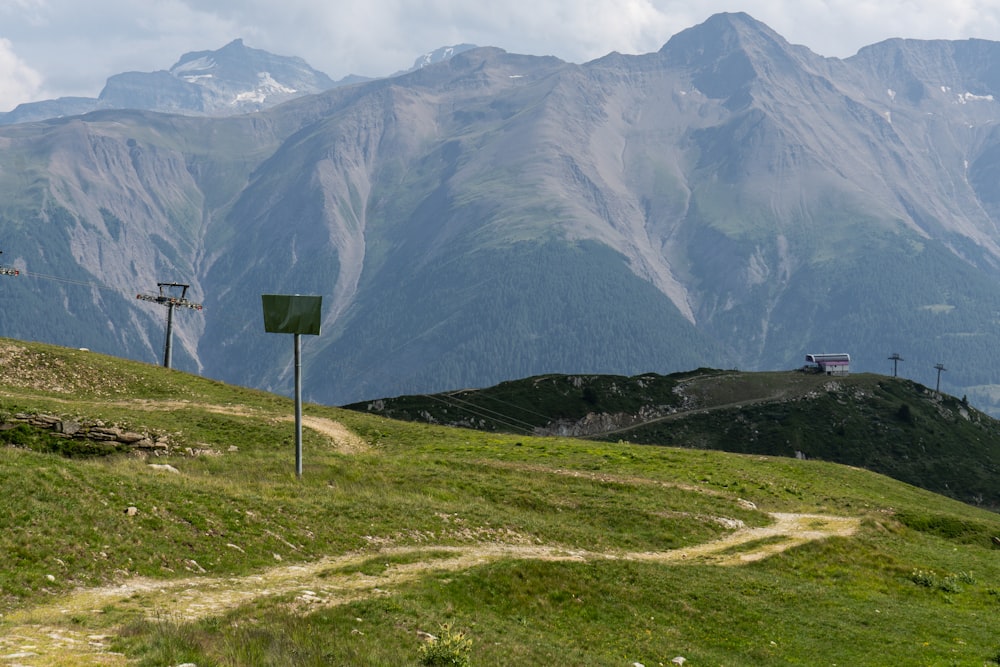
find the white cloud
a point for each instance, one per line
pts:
(18, 81)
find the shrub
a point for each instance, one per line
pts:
(925, 578)
(21, 435)
(949, 583)
(451, 649)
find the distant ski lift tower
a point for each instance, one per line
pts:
(170, 301)
(895, 358)
(939, 367)
(7, 271)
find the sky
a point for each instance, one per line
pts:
(56, 48)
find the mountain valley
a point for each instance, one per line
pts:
(730, 201)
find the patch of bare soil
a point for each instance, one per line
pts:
(46, 636)
(343, 438)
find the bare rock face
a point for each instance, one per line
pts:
(233, 79)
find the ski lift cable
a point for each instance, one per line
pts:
(487, 412)
(526, 430)
(73, 282)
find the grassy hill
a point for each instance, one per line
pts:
(206, 549)
(889, 425)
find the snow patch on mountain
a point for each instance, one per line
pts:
(267, 86)
(196, 65)
(440, 55)
(964, 98)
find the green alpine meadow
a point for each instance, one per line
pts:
(406, 543)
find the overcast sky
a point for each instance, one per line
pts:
(53, 48)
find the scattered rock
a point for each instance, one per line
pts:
(192, 565)
(104, 433)
(146, 443)
(67, 427)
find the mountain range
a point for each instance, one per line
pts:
(231, 80)
(731, 200)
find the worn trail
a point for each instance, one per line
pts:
(49, 635)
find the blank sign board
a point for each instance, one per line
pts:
(294, 314)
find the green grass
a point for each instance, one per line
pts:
(386, 528)
(888, 425)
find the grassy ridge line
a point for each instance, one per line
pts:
(888, 425)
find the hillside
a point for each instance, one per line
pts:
(200, 546)
(731, 200)
(885, 424)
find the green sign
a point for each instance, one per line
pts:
(294, 314)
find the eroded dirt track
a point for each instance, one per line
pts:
(48, 636)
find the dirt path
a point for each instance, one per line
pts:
(342, 437)
(49, 636)
(339, 435)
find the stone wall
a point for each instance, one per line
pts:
(95, 430)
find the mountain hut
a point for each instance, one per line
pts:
(831, 364)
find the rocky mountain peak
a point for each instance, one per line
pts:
(440, 55)
(721, 36)
(729, 51)
(238, 65)
(235, 78)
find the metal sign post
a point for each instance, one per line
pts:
(294, 314)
